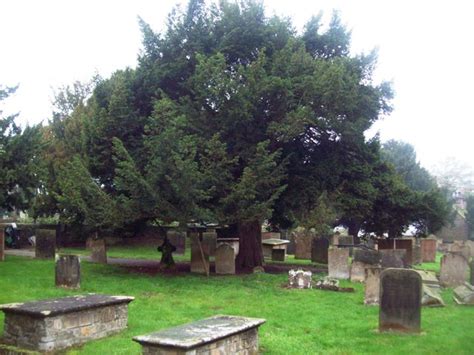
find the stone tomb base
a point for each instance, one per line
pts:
(215, 335)
(56, 324)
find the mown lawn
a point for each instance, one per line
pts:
(298, 321)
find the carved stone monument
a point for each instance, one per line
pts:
(400, 300)
(68, 271)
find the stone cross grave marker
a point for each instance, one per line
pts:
(2, 245)
(400, 300)
(68, 271)
(428, 250)
(372, 286)
(45, 247)
(338, 263)
(319, 250)
(98, 251)
(454, 269)
(225, 259)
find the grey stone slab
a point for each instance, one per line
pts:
(45, 247)
(400, 300)
(209, 242)
(319, 250)
(464, 294)
(372, 286)
(225, 259)
(370, 257)
(57, 306)
(338, 263)
(454, 270)
(431, 297)
(200, 332)
(68, 271)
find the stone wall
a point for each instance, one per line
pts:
(64, 330)
(245, 342)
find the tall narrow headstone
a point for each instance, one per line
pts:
(225, 259)
(428, 250)
(372, 286)
(98, 251)
(197, 253)
(68, 271)
(2, 244)
(454, 270)
(45, 247)
(400, 300)
(338, 263)
(319, 250)
(209, 241)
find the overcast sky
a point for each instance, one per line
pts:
(425, 48)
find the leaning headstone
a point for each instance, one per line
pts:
(45, 244)
(299, 279)
(278, 254)
(98, 251)
(371, 257)
(407, 245)
(209, 241)
(68, 271)
(431, 297)
(319, 250)
(464, 294)
(400, 300)
(372, 286)
(197, 264)
(2, 245)
(393, 258)
(454, 269)
(225, 259)
(358, 271)
(428, 250)
(338, 263)
(178, 239)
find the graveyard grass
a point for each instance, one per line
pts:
(298, 321)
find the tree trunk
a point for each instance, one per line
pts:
(250, 248)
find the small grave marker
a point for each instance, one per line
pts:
(299, 279)
(68, 271)
(98, 251)
(454, 269)
(338, 263)
(372, 286)
(319, 250)
(225, 259)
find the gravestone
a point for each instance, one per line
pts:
(303, 246)
(178, 239)
(225, 259)
(470, 244)
(461, 249)
(428, 250)
(197, 264)
(454, 269)
(338, 263)
(209, 242)
(2, 244)
(335, 238)
(384, 244)
(319, 250)
(167, 249)
(45, 247)
(291, 246)
(346, 241)
(400, 300)
(278, 254)
(464, 294)
(68, 271)
(233, 242)
(358, 271)
(417, 257)
(392, 258)
(370, 257)
(299, 279)
(372, 286)
(98, 251)
(405, 244)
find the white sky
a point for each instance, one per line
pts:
(425, 48)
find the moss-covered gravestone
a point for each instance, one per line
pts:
(400, 301)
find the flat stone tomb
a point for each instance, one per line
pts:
(269, 244)
(59, 323)
(400, 300)
(219, 335)
(68, 271)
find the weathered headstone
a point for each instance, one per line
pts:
(371, 257)
(461, 249)
(464, 294)
(417, 257)
(278, 254)
(405, 244)
(299, 279)
(400, 300)
(197, 253)
(372, 285)
(319, 250)
(338, 263)
(358, 271)
(209, 241)
(225, 259)
(303, 246)
(45, 244)
(68, 271)
(454, 269)
(392, 258)
(178, 239)
(2, 245)
(99, 251)
(335, 238)
(428, 250)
